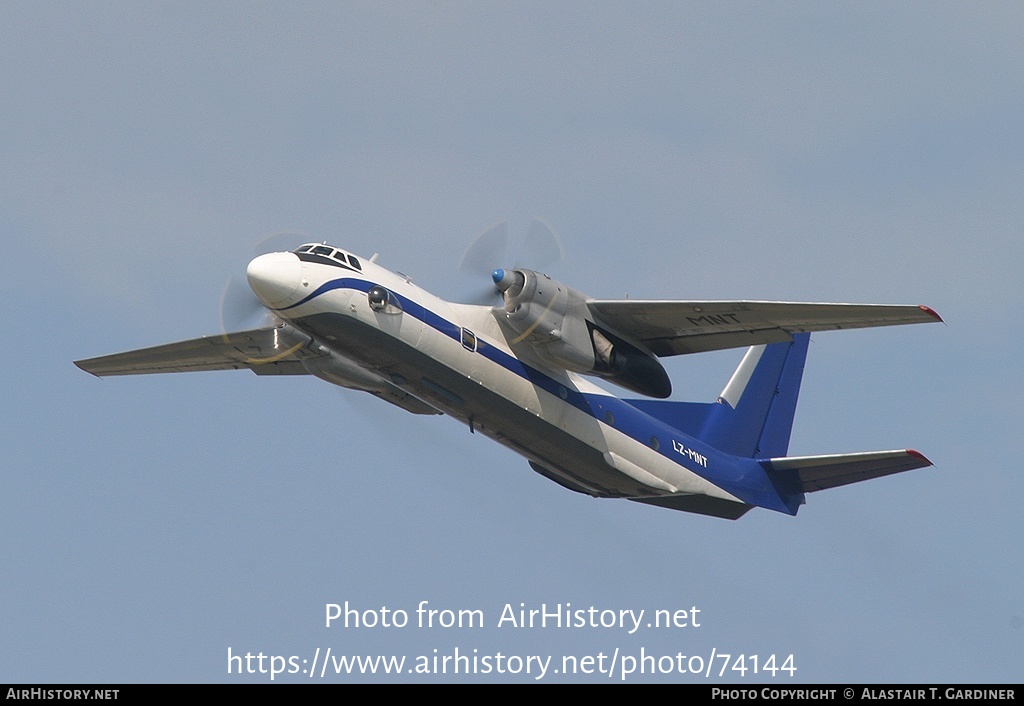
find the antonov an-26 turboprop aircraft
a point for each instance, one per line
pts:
(520, 374)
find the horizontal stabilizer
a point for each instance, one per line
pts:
(276, 350)
(806, 474)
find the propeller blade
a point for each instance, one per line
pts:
(486, 251)
(542, 245)
(240, 309)
(281, 241)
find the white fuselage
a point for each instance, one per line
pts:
(458, 359)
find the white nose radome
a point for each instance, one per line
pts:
(274, 278)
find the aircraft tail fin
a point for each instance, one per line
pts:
(753, 416)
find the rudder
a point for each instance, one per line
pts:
(753, 416)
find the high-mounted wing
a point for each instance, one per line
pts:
(276, 350)
(678, 327)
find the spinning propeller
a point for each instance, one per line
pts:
(240, 308)
(540, 247)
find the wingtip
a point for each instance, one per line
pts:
(80, 364)
(917, 454)
(931, 312)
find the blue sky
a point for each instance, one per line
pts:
(842, 152)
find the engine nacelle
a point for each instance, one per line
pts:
(549, 316)
(557, 322)
(622, 362)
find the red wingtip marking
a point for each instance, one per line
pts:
(918, 454)
(931, 312)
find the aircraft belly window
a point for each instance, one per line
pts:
(468, 340)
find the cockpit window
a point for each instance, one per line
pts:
(327, 255)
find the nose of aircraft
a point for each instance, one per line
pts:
(275, 277)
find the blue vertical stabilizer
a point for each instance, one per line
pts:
(753, 416)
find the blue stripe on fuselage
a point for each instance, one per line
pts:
(742, 477)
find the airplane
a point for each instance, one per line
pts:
(523, 373)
